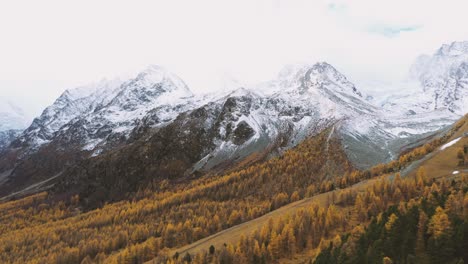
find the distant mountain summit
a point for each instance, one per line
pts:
(443, 78)
(97, 109)
(12, 117)
(71, 104)
(12, 121)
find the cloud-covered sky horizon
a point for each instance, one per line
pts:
(51, 45)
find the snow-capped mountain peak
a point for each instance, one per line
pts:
(105, 113)
(71, 104)
(152, 87)
(315, 76)
(457, 48)
(155, 74)
(444, 77)
(440, 82)
(323, 73)
(156, 109)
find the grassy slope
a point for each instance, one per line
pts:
(440, 163)
(444, 162)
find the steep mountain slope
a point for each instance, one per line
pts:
(169, 211)
(153, 92)
(163, 220)
(216, 136)
(370, 134)
(206, 203)
(244, 125)
(441, 82)
(153, 127)
(101, 114)
(438, 165)
(434, 96)
(71, 104)
(408, 229)
(227, 128)
(91, 114)
(307, 101)
(8, 136)
(445, 76)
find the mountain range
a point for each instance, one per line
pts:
(108, 138)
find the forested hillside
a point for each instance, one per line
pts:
(411, 221)
(430, 229)
(350, 210)
(235, 132)
(166, 216)
(163, 217)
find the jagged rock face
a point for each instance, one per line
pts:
(242, 133)
(234, 108)
(88, 120)
(70, 105)
(168, 153)
(149, 87)
(106, 111)
(323, 75)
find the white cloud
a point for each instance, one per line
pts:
(47, 46)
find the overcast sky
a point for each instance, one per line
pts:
(48, 46)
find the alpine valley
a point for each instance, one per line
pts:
(133, 170)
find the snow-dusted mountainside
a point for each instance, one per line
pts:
(12, 121)
(12, 117)
(154, 94)
(6, 137)
(153, 126)
(441, 82)
(71, 104)
(85, 121)
(107, 110)
(319, 94)
(301, 103)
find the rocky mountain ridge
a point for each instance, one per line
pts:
(153, 126)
